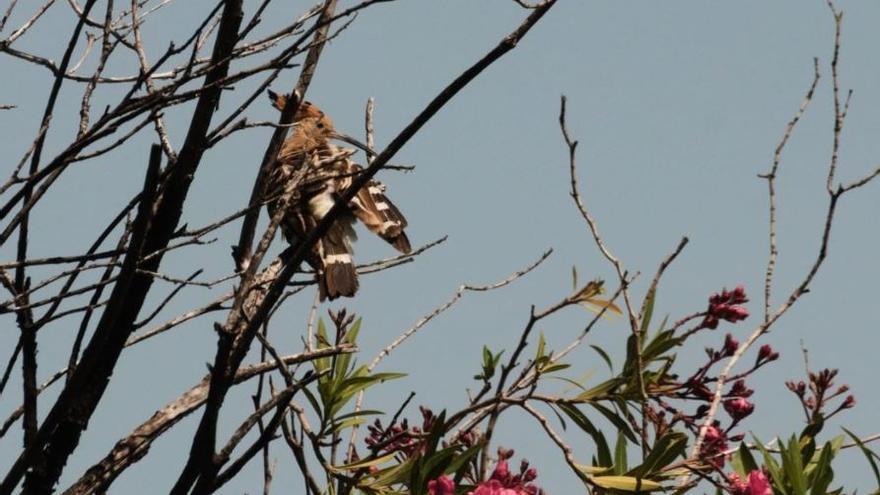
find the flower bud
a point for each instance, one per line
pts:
(730, 345)
(738, 408)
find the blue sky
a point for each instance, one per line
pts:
(677, 105)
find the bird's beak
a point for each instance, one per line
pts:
(354, 142)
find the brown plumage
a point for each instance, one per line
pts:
(329, 172)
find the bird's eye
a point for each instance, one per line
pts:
(320, 125)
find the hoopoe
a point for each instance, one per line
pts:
(330, 172)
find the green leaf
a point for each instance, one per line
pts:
(343, 360)
(771, 465)
(392, 475)
(869, 454)
(668, 448)
(436, 433)
(337, 396)
(364, 463)
(356, 414)
(599, 390)
(351, 386)
(793, 465)
(813, 428)
(554, 367)
(314, 402)
(461, 459)
(541, 344)
(322, 364)
(822, 473)
(616, 419)
(591, 470)
(626, 483)
(808, 453)
(573, 383)
(338, 426)
(649, 312)
(436, 464)
(659, 345)
(743, 461)
(604, 355)
(584, 423)
(620, 461)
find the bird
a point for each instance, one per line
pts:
(320, 171)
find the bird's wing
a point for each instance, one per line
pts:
(377, 212)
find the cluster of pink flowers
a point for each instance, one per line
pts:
(441, 486)
(816, 397)
(726, 306)
(756, 484)
(714, 445)
(502, 481)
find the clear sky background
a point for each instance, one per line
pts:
(677, 105)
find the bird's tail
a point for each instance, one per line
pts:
(337, 276)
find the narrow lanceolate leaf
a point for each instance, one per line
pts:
(364, 463)
(794, 466)
(592, 470)
(580, 419)
(542, 343)
(649, 312)
(588, 298)
(617, 420)
(393, 475)
(554, 367)
(338, 426)
(620, 461)
(596, 305)
(343, 361)
(869, 454)
(599, 390)
(626, 483)
(822, 474)
(435, 464)
(461, 459)
(771, 465)
(322, 364)
(743, 461)
(666, 450)
(351, 386)
(604, 355)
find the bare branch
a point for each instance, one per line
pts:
(771, 185)
(135, 446)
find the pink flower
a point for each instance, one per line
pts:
(441, 486)
(737, 485)
(738, 408)
(756, 484)
(493, 487)
(725, 306)
(713, 434)
(713, 447)
(503, 482)
(759, 484)
(739, 389)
